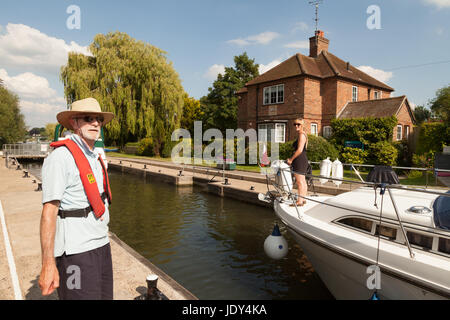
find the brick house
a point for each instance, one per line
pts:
(398, 106)
(315, 87)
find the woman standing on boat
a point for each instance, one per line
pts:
(299, 161)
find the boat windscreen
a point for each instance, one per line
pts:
(441, 209)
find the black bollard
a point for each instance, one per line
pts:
(252, 188)
(25, 174)
(152, 290)
(145, 166)
(226, 182)
(39, 188)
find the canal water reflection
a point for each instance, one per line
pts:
(212, 246)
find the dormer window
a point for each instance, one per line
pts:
(274, 94)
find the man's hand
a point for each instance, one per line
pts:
(49, 278)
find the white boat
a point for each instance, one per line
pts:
(347, 238)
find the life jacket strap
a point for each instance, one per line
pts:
(79, 213)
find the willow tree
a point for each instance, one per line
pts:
(133, 80)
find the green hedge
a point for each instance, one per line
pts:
(318, 149)
(383, 153)
(366, 130)
(432, 137)
(354, 155)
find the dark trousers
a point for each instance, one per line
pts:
(86, 276)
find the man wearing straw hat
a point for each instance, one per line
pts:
(76, 255)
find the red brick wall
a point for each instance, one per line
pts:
(317, 101)
(404, 119)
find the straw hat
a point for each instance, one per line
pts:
(85, 106)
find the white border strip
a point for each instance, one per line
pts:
(9, 255)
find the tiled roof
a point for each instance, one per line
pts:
(326, 65)
(378, 108)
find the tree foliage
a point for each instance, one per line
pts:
(422, 114)
(12, 124)
(133, 80)
(192, 111)
(220, 105)
(440, 105)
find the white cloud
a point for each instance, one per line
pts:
(303, 44)
(266, 67)
(440, 4)
(24, 46)
(262, 38)
(28, 85)
(301, 26)
(378, 74)
(38, 102)
(214, 71)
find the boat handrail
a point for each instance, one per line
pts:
(372, 184)
(393, 167)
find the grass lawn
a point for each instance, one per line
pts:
(348, 174)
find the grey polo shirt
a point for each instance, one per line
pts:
(61, 181)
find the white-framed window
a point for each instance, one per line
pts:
(314, 129)
(327, 131)
(274, 94)
(399, 132)
(263, 132)
(406, 132)
(280, 132)
(354, 93)
(376, 95)
(266, 130)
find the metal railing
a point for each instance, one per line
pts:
(353, 166)
(26, 149)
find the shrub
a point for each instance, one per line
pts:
(367, 130)
(319, 149)
(414, 174)
(383, 153)
(404, 153)
(286, 150)
(423, 160)
(145, 147)
(354, 155)
(432, 137)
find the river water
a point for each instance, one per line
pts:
(212, 246)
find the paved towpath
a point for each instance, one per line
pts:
(22, 208)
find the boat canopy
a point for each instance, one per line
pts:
(441, 209)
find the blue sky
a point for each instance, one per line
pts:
(202, 36)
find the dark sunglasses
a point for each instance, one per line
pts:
(297, 124)
(90, 119)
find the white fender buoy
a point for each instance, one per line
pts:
(276, 246)
(325, 170)
(337, 172)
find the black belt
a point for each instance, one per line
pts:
(78, 213)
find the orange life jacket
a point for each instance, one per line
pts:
(87, 176)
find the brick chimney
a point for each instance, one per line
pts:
(317, 44)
